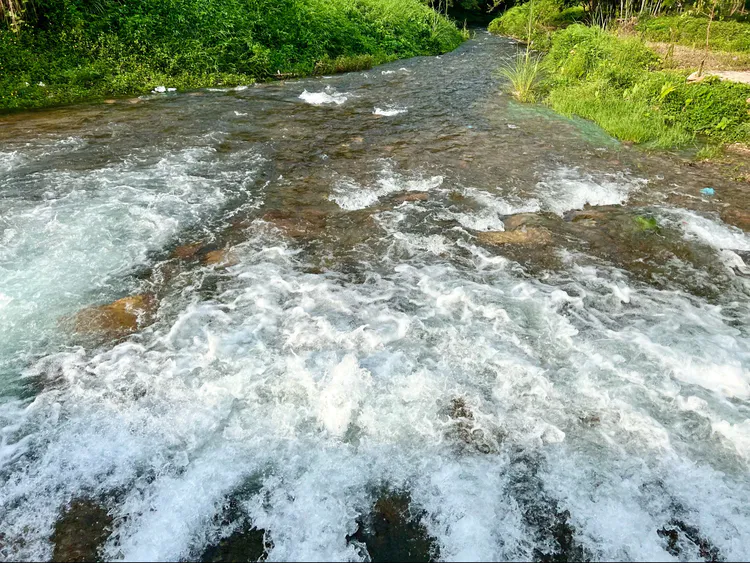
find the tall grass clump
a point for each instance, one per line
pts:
(522, 74)
(72, 50)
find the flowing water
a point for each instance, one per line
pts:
(363, 373)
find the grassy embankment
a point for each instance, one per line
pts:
(622, 84)
(68, 51)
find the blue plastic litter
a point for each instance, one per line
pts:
(707, 191)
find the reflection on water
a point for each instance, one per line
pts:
(336, 363)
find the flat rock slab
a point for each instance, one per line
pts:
(741, 76)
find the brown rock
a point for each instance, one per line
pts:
(186, 251)
(221, 257)
(119, 318)
(537, 236)
(305, 224)
(516, 221)
(81, 532)
(737, 217)
(418, 196)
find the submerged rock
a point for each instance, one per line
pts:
(537, 236)
(81, 531)
(306, 224)
(221, 257)
(118, 319)
(518, 220)
(393, 531)
(464, 427)
(187, 251)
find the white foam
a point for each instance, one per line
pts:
(708, 231)
(329, 96)
(569, 188)
(493, 206)
(9, 160)
(315, 390)
(350, 195)
(389, 112)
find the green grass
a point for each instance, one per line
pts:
(616, 83)
(690, 30)
(91, 49)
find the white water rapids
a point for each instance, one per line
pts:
(625, 404)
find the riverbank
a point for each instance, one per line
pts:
(76, 51)
(645, 93)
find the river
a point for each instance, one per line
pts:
(334, 359)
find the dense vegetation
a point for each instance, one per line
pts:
(546, 16)
(70, 50)
(615, 80)
(690, 30)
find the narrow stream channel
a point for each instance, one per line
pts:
(340, 362)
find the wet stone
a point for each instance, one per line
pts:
(466, 431)
(118, 319)
(418, 196)
(519, 220)
(554, 536)
(678, 536)
(81, 531)
(187, 251)
(737, 217)
(536, 236)
(393, 531)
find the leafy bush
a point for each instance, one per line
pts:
(81, 49)
(547, 16)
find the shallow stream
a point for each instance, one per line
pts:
(339, 362)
